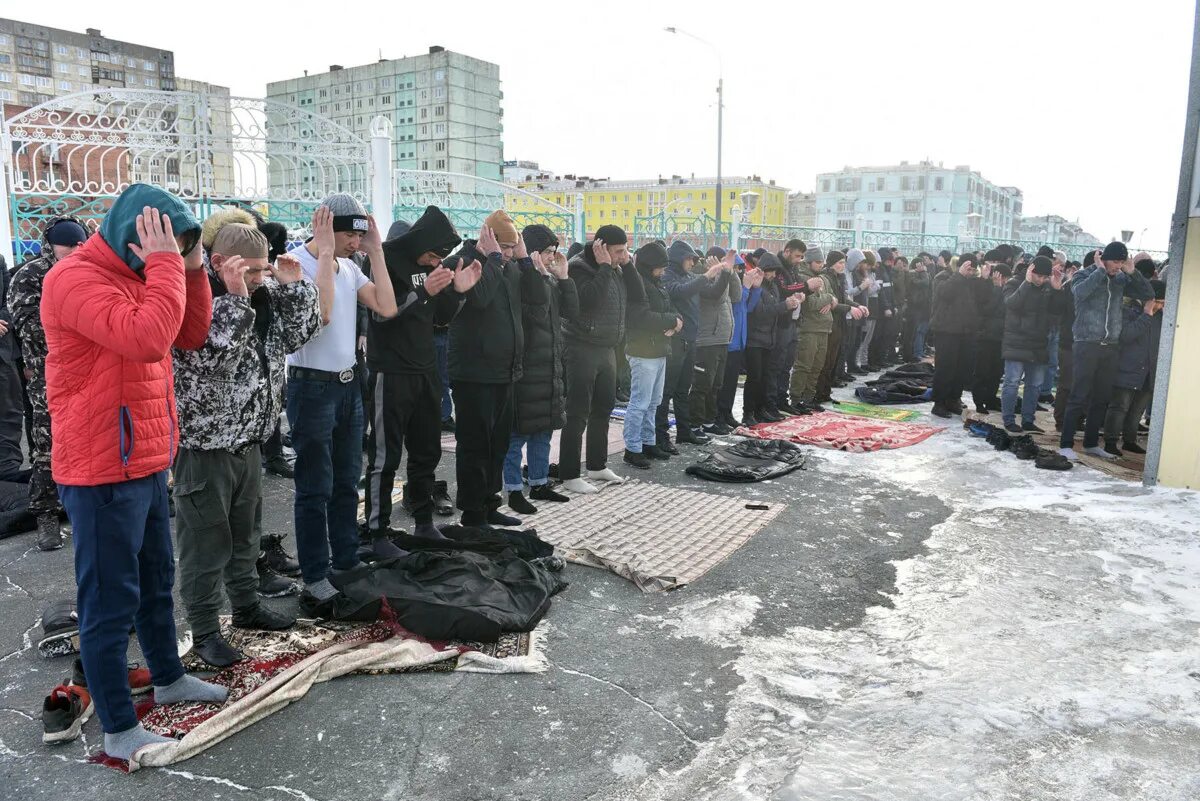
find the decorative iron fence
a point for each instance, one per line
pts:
(702, 232)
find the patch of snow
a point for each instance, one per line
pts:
(714, 620)
(629, 766)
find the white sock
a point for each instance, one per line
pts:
(1069, 453)
(580, 486)
(1096, 450)
(605, 475)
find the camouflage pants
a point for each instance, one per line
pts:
(43, 493)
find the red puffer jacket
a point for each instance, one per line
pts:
(109, 380)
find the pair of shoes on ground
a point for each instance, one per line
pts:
(540, 492)
(1023, 428)
(442, 504)
(585, 487)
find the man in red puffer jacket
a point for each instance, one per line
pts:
(112, 310)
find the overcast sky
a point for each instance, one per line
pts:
(1080, 104)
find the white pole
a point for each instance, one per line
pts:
(382, 185)
(6, 232)
(735, 229)
(580, 233)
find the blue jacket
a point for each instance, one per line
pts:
(1140, 336)
(741, 309)
(1098, 302)
(684, 288)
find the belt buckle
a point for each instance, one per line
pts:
(346, 376)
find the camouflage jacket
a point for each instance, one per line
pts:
(25, 304)
(229, 391)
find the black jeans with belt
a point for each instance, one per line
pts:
(481, 433)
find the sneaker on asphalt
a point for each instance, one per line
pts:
(214, 650)
(1099, 452)
(1012, 428)
(271, 584)
(60, 629)
(64, 712)
(518, 503)
(497, 518)
(277, 558)
(441, 499)
(49, 531)
(638, 460)
(717, 429)
(262, 618)
(1069, 454)
(1132, 447)
(654, 452)
(139, 677)
(278, 465)
(544, 492)
(667, 447)
(1032, 428)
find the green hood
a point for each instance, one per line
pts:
(120, 224)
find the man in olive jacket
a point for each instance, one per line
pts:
(816, 324)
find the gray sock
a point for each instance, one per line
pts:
(321, 590)
(190, 688)
(124, 744)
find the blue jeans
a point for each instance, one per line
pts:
(537, 446)
(326, 419)
(919, 340)
(1008, 398)
(124, 569)
(441, 343)
(646, 380)
(1052, 367)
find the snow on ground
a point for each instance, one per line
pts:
(1045, 647)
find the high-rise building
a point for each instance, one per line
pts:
(921, 198)
(444, 108)
(619, 202)
(38, 63)
(216, 166)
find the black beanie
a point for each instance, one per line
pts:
(1146, 268)
(277, 239)
(1042, 266)
(1002, 270)
(538, 237)
(1047, 251)
(67, 233)
(715, 251)
(651, 255)
(575, 249)
(1160, 289)
(834, 257)
(963, 258)
(1115, 251)
(1089, 258)
(612, 235)
(993, 255)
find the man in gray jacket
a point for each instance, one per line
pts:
(1098, 291)
(712, 346)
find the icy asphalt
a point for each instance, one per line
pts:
(936, 622)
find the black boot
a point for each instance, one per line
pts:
(262, 618)
(271, 584)
(277, 558)
(654, 452)
(50, 536)
(768, 416)
(666, 446)
(497, 518)
(749, 420)
(278, 465)
(441, 499)
(215, 651)
(639, 460)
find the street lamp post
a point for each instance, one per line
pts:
(720, 104)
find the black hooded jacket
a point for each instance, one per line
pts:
(404, 343)
(538, 397)
(487, 339)
(770, 323)
(601, 320)
(649, 314)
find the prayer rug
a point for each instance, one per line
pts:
(660, 538)
(876, 412)
(843, 432)
(283, 666)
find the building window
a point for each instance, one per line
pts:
(824, 188)
(439, 92)
(439, 128)
(387, 100)
(870, 225)
(439, 110)
(64, 86)
(148, 66)
(5, 77)
(131, 63)
(151, 83)
(906, 183)
(911, 206)
(845, 225)
(870, 207)
(440, 146)
(26, 80)
(845, 206)
(441, 164)
(424, 113)
(323, 93)
(424, 95)
(887, 207)
(887, 225)
(79, 52)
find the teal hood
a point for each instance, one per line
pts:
(120, 224)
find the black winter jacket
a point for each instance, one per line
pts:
(920, 295)
(1138, 362)
(487, 344)
(1030, 313)
(601, 319)
(957, 304)
(539, 397)
(648, 315)
(770, 323)
(991, 323)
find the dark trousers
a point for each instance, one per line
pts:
(676, 389)
(952, 368)
(883, 344)
(591, 375)
(1094, 369)
(12, 418)
(274, 445)
(441, 345)
(481, 432)
(43, 493)
(735, 365)
(779, 373)
(407, 414)
(850, 339)
(833, 354)
(326, 419)
(624, 380)
(1066, 376)
(754, 398)
(217, 496)
(908, 333)
(1125, 411)
(124, 569)
(708, 375)
(989, 370)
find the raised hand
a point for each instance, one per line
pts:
(814, 284)
(600, 251)
(986, 272)
(520, 251)
(438, 280)
(371, 239)
(286, 269)
(730, 261)
(715, 268)
(487, 243)
(322, 228)
(155, 234)
(467, 275)
(233, 275)
(793, 301)
(536, 258)
(558, 266)
(1150, 307)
